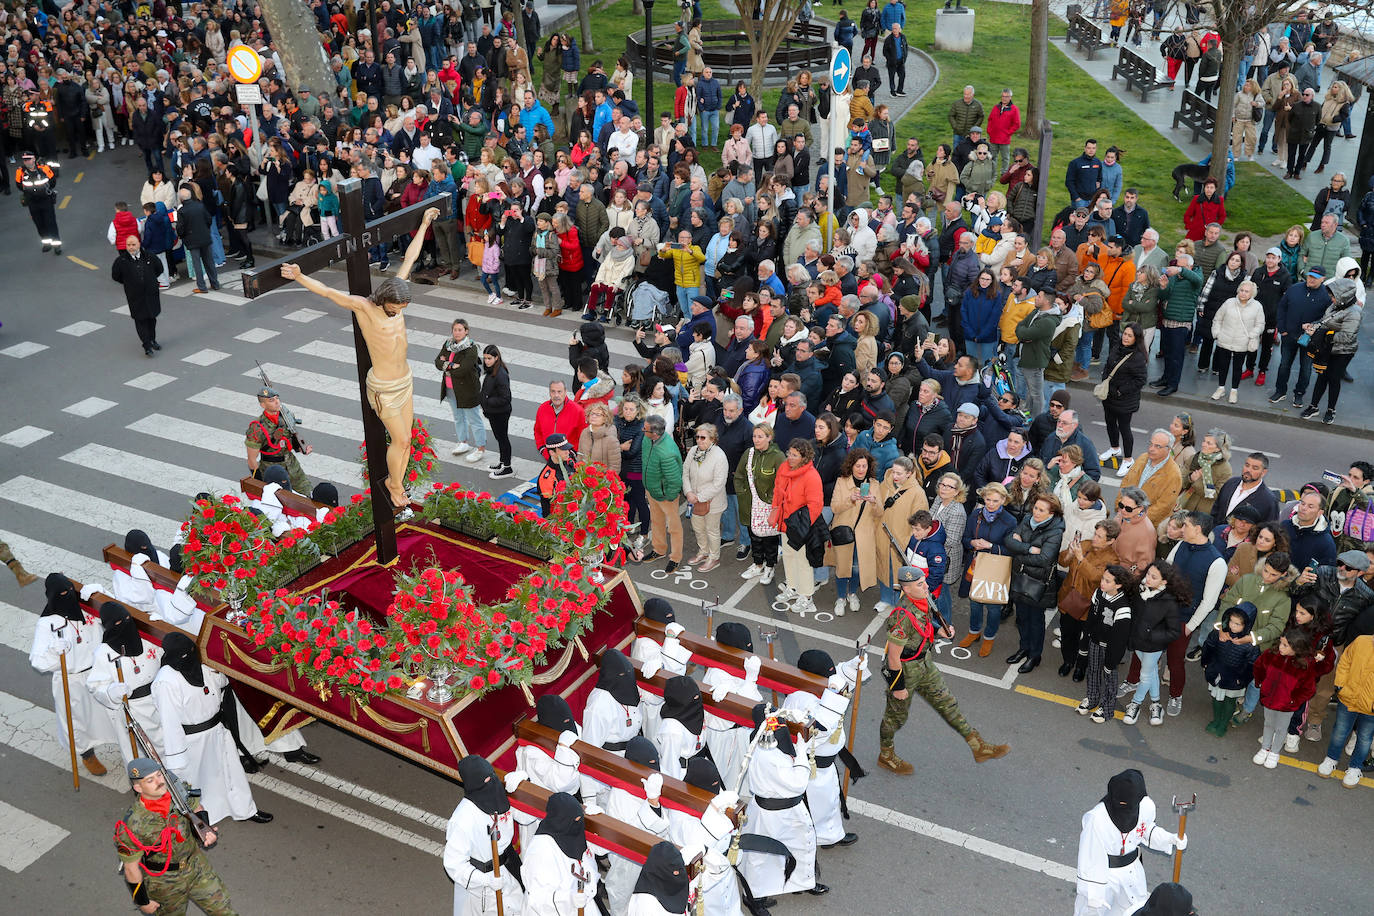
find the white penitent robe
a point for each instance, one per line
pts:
(557, 772)
(207, 759)
(134, 587)
(1102, 889)
(774, 776)
(637, 812)
(178, 608)
(54, 635)
(105, 686)
(719, 885)
(551, 880)
(468, 839)
(728, 740)
(676, 745)
(823, 791)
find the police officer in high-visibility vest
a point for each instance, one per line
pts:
(908, 668)
(558, 466)
(37, 182)
(40, 127)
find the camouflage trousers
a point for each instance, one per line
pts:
(922, 677)
(6, 556)
(196, 883)
(299, 482)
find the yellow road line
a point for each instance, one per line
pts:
(90, 156)
(1073, 704)
(66, 200)
(79, 176)
(86, 264)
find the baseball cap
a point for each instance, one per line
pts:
(1316, 271)
(557, 440)
(1275, 252)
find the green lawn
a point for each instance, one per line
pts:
(1080, 107)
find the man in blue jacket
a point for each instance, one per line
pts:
(708, 109)
(1084, 175)
(894, 14)
(1068, 432)
(533, 114)
(808, 370)
(1303, 304)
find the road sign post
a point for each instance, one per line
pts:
(840, 71)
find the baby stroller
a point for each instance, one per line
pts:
(647, 305)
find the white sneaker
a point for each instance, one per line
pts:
(1232, 397)
(882, 608)
(1290, 744)
(1219, 393)
(1271, 760)
(476, 455)
(1156, 714)
(1326, 767)
(1132, 715)
(1352, 778)
(854, 601)
(1261, 755)
(461, 448)
(1113, 452)
(1125, 467)
(1085, 707)
(803, 605)
(751, 572)
(496, 301)
(767, 576)
(839, 608)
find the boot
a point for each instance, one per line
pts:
(969, 640)
(1080, 669)
(1228, 707)
(889, 760)
(1211, 728)
(982, 750)
(985, 649)
(92, 763)
(20, 573)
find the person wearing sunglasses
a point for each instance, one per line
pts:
(1351, 601)
(1138, 540)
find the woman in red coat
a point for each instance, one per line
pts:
(570, 267)
(1204, 208)
(798, 486)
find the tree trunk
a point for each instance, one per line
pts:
(1231, 49)
(297, 40)
(1039, 68)
(639, 7)
(765, 34)
(584, 19)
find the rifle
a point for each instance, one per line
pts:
(175, 787)
(288, 419)
(935, 612)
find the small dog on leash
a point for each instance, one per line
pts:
(1188, 171)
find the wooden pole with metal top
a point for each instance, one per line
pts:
(124, 701)
(496, 866)
(71, 730)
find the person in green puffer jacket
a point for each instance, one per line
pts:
(1034, 332)
(1267, 589)
(661, 464)
(1181, 285)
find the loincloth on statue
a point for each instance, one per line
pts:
(389, 397)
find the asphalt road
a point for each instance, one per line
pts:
(95, 439)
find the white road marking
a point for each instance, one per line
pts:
(89, 407)
(150, 471)
(346, 814)
(301, 316)
(24, 839)
(16, 627)
(74, 506)
(24, 348)
(121, 310)
(40, 559)
(24, 436)
(80, 328)
(223, 442)
(485, 324)
(257, 335)
(1235, 449)
(150, 381)
(340, 784)
(205, 357)
(963, 840)
(32, 730)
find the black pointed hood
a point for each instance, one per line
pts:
(660, 610)
(641, 750)
(816, 661)
(63, 598)
(480, 785)
(617, 678)
(664, 876)
(1168, 900)
(121, 630)
(780, 732)
(702, 773)
(735, 635)
(180, 653)
(325, 492)
(137, 541)
(565, 821)
(552, 711)
(682, 701)
(1124, 793)
(175, 562)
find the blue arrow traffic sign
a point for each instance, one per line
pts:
(839, 71)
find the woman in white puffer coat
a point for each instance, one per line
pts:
(1236, 328)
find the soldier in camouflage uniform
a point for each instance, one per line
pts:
(269, 442)
(908, 668)
(22, 575)
(164, 866)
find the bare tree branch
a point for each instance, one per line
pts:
(765, 35)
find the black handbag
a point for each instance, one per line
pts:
(1027, 588)
(843, 535)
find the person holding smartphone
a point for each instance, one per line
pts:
(855, 505)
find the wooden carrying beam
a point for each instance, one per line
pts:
(160, 576)
(602, 829)
(773, 675)
(294, 503)
(158, 629)
(614, 770)
(735, 708)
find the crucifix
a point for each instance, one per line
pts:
(379, 337)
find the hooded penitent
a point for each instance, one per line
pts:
(1125, 791)
(181, 654)
(552, 711)
(735, 635)
(121, 631)
(682, 701)
(660, 610)
(63, 600)
(480, 785)
(565, 822)
(664, 875)
(617, 678)
(641, 750)
(780, 732)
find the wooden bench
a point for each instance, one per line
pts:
(1139, 74)
(1197, 115)
(1087, 36)
(292, 503)
(733, 708)
(612, 769)
(778, 676)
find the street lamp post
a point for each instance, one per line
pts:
(649, 64)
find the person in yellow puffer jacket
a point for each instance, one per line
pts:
(1354, 711)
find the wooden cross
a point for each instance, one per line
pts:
(351, 247)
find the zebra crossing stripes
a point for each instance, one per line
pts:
(224, 442)
(161, 474)
(96, 511)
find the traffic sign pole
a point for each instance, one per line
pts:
(840, 67)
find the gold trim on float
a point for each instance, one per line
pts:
(281, 664)
(421, 725)
(283, 724)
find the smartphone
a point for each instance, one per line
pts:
(863, 489)
(1332, 477)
